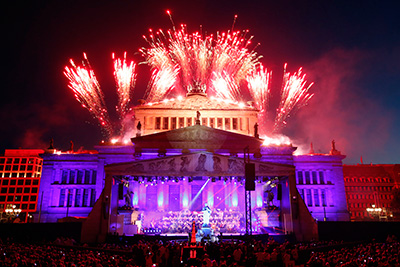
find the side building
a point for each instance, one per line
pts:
(20, 175)
(369, 190)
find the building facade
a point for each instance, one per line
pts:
(369, 190)
(20, 174)
(187, 153)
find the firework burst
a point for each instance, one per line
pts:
(199, 60)
(84, 84)
(294, 95)
(125, 79)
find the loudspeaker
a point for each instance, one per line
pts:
(121, 191)
(279, 193)
(250, 175)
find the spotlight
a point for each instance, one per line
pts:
(190, 179)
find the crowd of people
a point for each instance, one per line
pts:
(65, 252)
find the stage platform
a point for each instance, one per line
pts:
(280, 238)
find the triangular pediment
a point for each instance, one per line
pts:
(198, 137)
(197, 164)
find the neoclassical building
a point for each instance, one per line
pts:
(189, 152)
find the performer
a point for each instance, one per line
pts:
(128, 198)
(206, 215)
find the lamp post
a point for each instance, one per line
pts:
(374, 212)
(11, 211)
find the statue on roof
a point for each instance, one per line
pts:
(256, 130)
(198, 117)
(138, 129)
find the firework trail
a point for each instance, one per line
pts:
(259, 84)
(84, 84)
(125, 79)
(227, 87)
(161, 83)
(294, 95)
(200, 60)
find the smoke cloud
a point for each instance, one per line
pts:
(340, 110)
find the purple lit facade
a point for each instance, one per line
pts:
(161, 182)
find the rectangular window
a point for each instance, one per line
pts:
(314, 177)
(158, 123)
(309, 197)
(10, 198)
(27, 182)
(79, 177)
(181, 122)
(219, 123)
(323, 197)
(22, 167)
(227, 123)
(20, 182)
(25, 198)
(321, 177)
(78, 197)
(32, 206)
(24, 206)
(204, 121)
(64, 176)
(71, 177)
(70, 197)
(85, 197)
(34, 190)
(33, 198)
(316, 198)
(234, 123)
(23, 161)
(15, 168)
(92, 197)
(19, 190)
(11, 190)
(241, 124)
(94, 177)
(3, 190)
(87, 177)
(188, 121)
(165, 123)
(300, 177)
(212, 122)
(307, 175)
(62, 198)
(173, 123)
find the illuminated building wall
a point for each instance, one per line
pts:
(73, 181)
(20, 174)
(319, 180)
(67, 191)
(370, 186)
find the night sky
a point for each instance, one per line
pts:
(350, 49)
